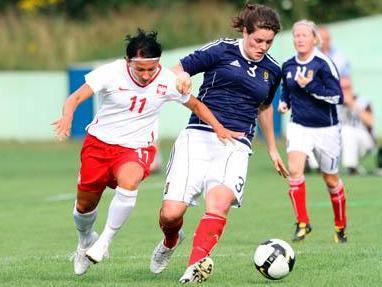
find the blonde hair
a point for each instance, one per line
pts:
(312, 26)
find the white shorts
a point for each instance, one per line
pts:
(199, 162)
(325, 143)
(357, 142)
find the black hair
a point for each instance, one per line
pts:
(256, 16)
(143, 45)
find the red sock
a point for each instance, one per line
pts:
(297, 196)
(206, 236)
(337, 197)
(171, 232)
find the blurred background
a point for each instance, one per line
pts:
(46, 46)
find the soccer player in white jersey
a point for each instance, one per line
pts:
(118, 148)
(240, 80)
(357, 121)
(311, 89)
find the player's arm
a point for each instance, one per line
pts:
(183, 79)
(62, 125)
(266, 123)
(204, 113)
(325, 88)
(284, 103)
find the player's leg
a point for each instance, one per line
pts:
(328, 151)
(224, 184)
(350, 149)
(297, 194)
(128, 176)
(170, 222)
(337, 197)
(180, 191)
(299, 144)
(91, 183)
(84, 215)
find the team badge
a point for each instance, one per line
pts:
(265, 75)
(161, 89)
(310, 73)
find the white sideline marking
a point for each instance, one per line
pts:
(72, 195)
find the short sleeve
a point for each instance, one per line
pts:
(203, 59)
(99, 78)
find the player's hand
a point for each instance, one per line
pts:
(225, 135)
(62, 128)
(283, 107)
(302, 81)
(278, 163)
(183, 83)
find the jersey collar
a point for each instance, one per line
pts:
(139, 84)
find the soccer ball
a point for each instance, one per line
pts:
(274, 259)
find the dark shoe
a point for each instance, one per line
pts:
(302, 229)
(340, 236)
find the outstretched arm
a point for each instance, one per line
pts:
(266, 124)
(62, 125)
(204, 113)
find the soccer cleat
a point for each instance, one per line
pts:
(162, 254)
(80, 261)
(98, 251)
(340, 236)
(198, 272)
(302, 229)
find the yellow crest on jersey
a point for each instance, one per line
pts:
(310, 74)
(265, 75)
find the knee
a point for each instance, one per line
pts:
(295, 172)
(170, 216)
(219, 208)
(85, 206)
(332, 181)
(129, 183)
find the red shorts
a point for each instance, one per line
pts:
(100, 163)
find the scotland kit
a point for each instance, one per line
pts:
(234, 88)
(314, 122)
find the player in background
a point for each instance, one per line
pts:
(343, 67)
(118, 149)
(357, 121)
(240, 80)
(311, 89)
(335, 54)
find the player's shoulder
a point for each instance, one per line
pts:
(113, 66)
(290, 61)
(272, 64)
(167, 75)
(325, 62)
(220, 44)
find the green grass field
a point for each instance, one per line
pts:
(37, 235)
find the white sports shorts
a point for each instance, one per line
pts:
(325, 143)
(199, 161)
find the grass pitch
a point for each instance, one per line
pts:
(37, 189)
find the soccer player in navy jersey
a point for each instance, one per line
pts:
(311, 89)
(240, 80)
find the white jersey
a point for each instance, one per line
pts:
(128, 113)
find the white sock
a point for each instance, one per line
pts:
(120, 209)
(84, 224)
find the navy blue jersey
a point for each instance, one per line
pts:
(234, 86)
(315, 104)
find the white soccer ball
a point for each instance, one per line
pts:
(274, 259)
